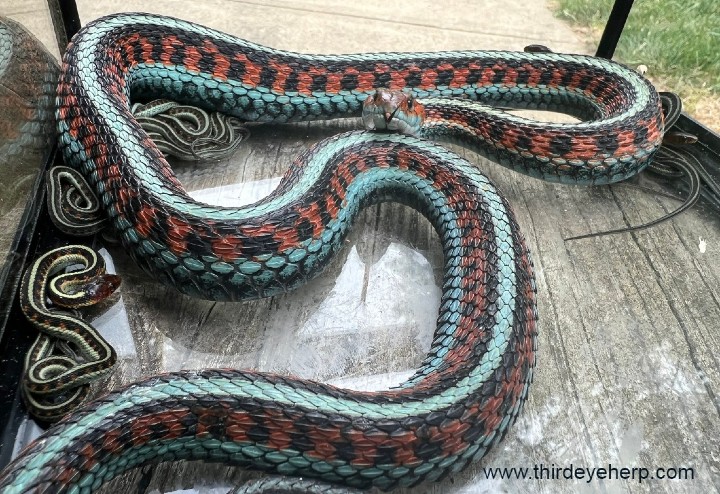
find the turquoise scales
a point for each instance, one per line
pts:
(28, 84)
(215, 252)
(28, 78)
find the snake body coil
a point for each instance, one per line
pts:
(272, 246)
(56, 376)
(474, 380)
(461, 401)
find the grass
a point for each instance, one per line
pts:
(679, 42)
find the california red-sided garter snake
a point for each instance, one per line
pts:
(474, 380)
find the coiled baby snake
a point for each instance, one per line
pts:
(69, 353)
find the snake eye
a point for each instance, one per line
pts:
(410, 102)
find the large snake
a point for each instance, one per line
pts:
(270, 247)
(474, 380)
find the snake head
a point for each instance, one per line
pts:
(82, 288)
(104, 286)
(95, 289)
(392, 110)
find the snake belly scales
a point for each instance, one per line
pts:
(473, 382)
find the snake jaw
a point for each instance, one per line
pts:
(393, 111)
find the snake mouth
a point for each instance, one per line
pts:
(384, 120)
(390, 116)
(393, 111)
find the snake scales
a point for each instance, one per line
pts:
(268, 248)
(474, 380)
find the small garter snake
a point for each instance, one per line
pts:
(73, 207)
(69, 353)
(188, 132)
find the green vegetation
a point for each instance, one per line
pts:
(679, 41)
